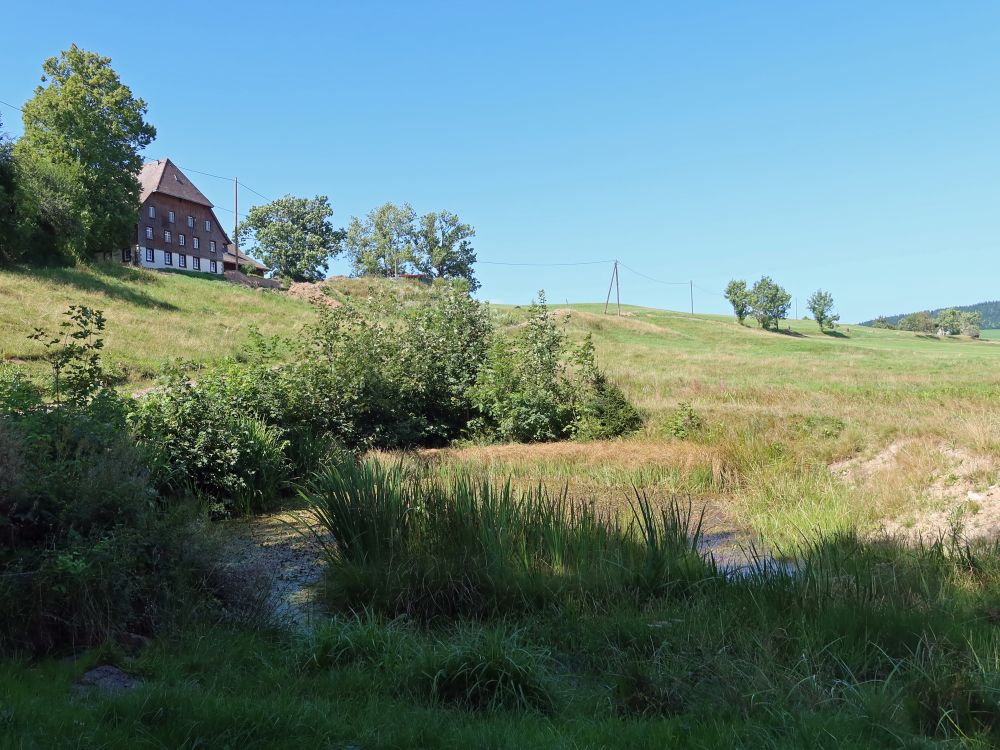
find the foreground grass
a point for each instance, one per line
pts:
(869, 646)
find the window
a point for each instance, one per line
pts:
(149, 255)
(180, 240)
(195, 263)
(213, 267)
(152, 212)
(167, 236)
(126, 255)
(195, 243)
(182, 260)
(170, 216)
(211, 246)
(168, 259)
(208, 225)
(149, 233)
(191, 222)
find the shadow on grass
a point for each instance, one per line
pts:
(836, 334)
(787, 332)
(115, 281)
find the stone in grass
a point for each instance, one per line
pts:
(106, 680)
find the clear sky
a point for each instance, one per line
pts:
(853, 146)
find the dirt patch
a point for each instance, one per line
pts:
(858, 469)
(310, 292)
(959, 498)
(279, 551)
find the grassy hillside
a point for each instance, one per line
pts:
(777, 410)
(152, 316)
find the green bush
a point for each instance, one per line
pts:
(534, 386)
(684, 422)
(197, 442)
(87, 549)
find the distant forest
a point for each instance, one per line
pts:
(989, 310)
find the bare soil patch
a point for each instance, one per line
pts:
(962, 498)
(310, 292)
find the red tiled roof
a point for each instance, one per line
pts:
(163, 176)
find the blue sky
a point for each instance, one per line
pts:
(853, 146)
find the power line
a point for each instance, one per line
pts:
(579, 263)
(650, 278)
(12, 106)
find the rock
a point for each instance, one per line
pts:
(107, 680)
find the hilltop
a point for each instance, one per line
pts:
(989, 310)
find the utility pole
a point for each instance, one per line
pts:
(236, 224)
(691, 286)
(614, 285)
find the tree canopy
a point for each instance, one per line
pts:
(443, 247)
(820, 304)
(769, 302)
(739, 297)
(382, 244)
(85, 121)
(293, 236)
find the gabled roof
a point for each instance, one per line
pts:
(163, 176)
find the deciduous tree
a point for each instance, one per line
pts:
(444, 248)
(383, 243)
(820, 304)
(84, 117)
(769, 302)
(739, 297)
(293, 236)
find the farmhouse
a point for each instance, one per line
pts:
(177, 228)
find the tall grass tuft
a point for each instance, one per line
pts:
(403, 541)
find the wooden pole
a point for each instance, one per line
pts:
(614, 273)
(691, 286)
(236, 224)
(618, 296)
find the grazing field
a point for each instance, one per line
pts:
(801, 432)
(991, 334)
(558, 595)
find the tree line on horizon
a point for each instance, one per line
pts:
(69, 192)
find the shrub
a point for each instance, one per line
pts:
(535, 387)
(739, 297)
(196, 442)
(684, 422)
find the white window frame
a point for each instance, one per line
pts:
(211, 246)
(195, 263)
(180, 240)
(182, 260)
(150, 255)
(190, 222)
(212, 265)
(170, 217)
(195, 243)
(149, 233)
(208, 225)
(152, 212)
(167, 259)
(168, 236)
